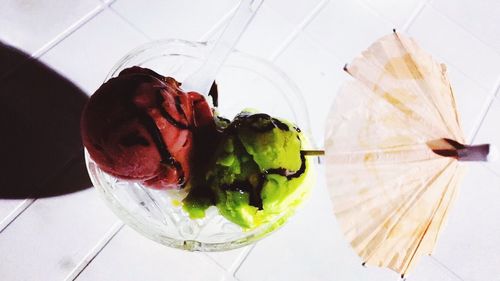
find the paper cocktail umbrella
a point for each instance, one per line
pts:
(394, 152)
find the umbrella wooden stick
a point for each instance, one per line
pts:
(312, 152)
(481, 152)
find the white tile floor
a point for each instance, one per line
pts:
(116, 38)
(76, 237)
(33, 25)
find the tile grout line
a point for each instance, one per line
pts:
(495, 173)
(462, 27)
(490, 100)
(445, 268)
(108, 2)
(240, 260)
(29, 201)
(127, 21)
(212, 259)
(57, 39)
(68, 31)
(10, 218)
(218, 25)
(405, 28)
(23, 206)
(205, 37)
(497, 90)
(95, 251)
(370, 9)
(491, 97)
(298, 29)
(456, 68)
(415, 15)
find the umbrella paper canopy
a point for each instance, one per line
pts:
(394, 153)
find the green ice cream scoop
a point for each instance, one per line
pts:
(258, 172)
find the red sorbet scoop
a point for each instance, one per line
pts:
(140, 126)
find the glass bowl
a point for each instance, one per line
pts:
(244, 82)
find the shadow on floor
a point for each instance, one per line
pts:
(41, 152)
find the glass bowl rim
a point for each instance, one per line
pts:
(193, 245)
